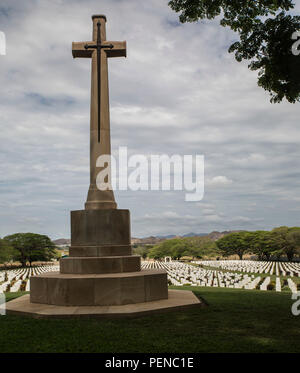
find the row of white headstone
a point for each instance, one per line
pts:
(180, 274)
(272, 268)
(12, 279)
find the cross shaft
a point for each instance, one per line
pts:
(98, 46)
(99, 50)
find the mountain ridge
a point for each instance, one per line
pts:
(152, 240)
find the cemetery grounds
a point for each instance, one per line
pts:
(247, 309)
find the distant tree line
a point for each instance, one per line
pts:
(26, 248)
(282, 241)
(195, 247)
(266, 245)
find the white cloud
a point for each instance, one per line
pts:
(218, 181)
(213, 218)
(251, 159)
(170, 214)
(178, 92)
(208, 211)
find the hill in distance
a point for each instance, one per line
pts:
(153, 240)
(62, 241)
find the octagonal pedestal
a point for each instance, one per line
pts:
(99, 290)
(101, 270)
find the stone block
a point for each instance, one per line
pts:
(83, 251)
(66, 265)
(131, 263)
(38, 290)
(100, 227)
(107, 291)
(98, 265)
(178, 300)
(57, 291)
(81, 292)
(132, 290)
(107, 250)
(156, 287)
(99, 289)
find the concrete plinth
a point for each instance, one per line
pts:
(104, 264)
(177, 300)
(99, 289)
(108, 227)
(104, 250)
(101, 270)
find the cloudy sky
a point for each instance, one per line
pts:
(177, 92)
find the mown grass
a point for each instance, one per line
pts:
(234, 321)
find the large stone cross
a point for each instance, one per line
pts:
(99, 50)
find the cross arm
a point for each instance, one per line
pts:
(119, 49)
(79, 50)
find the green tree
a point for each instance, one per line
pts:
(265, 31)
(287, 240)
(200, 246)
(293, 238)
(7, 252)
(31, 247)
(196, 247)
(234, 244)
(277, 254)
(141, 250)
(163, 249)
(180, 249)
(261, 244)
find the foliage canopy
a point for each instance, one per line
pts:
(30, 247)
(265, 30)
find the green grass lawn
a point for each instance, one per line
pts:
(234, 321)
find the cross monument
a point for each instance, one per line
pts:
(99, 50)
(101, 277)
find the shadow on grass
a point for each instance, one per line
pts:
(235, 321)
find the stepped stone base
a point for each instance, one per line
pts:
(105, 250)
(104, 264)
(101, 270)
(98, 289)
(177, 300)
